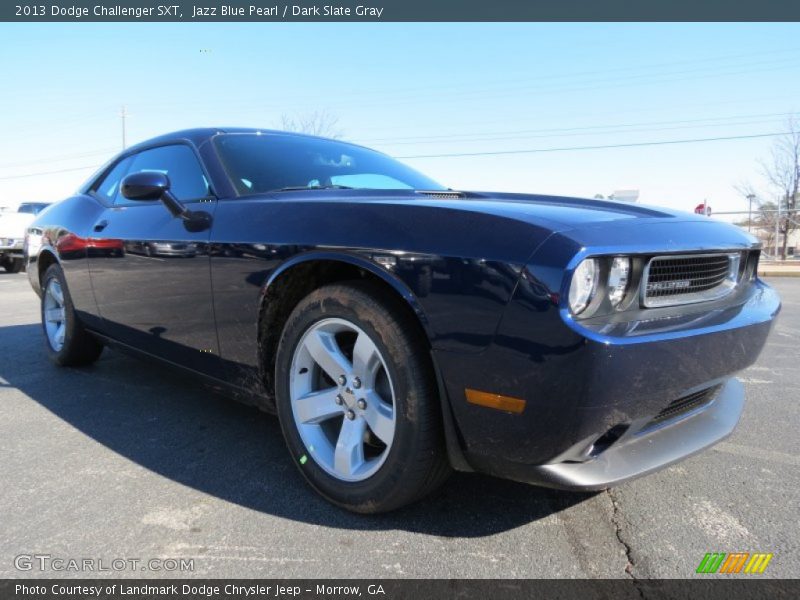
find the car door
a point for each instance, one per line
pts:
(150, 275)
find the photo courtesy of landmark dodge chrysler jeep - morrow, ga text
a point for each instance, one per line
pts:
(401, 329)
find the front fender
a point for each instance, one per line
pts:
(357, 260)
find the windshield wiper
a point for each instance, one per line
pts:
(298, 188)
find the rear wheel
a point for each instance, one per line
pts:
(357, 399)
(12, 265)
(66, 341)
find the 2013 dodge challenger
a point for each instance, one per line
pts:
(398, 328)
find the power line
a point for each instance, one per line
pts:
(600, 147)
(502, 152)
(538, 86)
(570, 131)
(533, 90)
(527, 81)
(60, 158)
(48, 172)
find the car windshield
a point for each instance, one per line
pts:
(259, 163)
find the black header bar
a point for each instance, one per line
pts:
(398, 10)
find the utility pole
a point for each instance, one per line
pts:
(750, 198)
(777, 229)
(123, 114)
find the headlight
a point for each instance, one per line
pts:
(583, 286)
(618, 277)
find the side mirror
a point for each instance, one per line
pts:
(145, 186)
(152, 185)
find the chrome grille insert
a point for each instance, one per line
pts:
(683, 279)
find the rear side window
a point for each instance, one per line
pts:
(179, 163)
(109, 187)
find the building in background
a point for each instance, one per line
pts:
(625, 195)
(620, 196)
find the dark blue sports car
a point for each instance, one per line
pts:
(399, 328)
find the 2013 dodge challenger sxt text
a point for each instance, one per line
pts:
(399, 328)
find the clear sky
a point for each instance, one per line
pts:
(412, 90)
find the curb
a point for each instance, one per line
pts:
(779, 273)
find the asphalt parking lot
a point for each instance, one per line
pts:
(129, 460)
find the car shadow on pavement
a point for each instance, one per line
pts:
(173, 426)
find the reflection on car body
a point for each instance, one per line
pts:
(166, 249)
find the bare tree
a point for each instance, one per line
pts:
(764, 220)
(782, 172)
(321, 123)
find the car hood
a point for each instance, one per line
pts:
(603, 223)
(558, 212)
(554, 212)
(13, 225)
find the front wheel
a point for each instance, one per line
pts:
(66, 341)
(357, 399)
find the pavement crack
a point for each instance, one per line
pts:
(616, 520)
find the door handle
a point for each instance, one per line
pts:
(100, 226)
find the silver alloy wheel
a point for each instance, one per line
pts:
(55, 321)
(342, 399)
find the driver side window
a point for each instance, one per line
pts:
(179, 163)
(108, 188)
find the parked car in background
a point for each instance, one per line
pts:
(399, 328)
(164, 249)
(13, 226)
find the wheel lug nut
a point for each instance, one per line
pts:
(342, 379)
(350, 415)
(339, 400)
(356, 382)
(362, 404)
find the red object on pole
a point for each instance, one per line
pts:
(702, 209)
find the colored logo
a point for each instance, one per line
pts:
(735, 562)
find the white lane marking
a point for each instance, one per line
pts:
(758, 453)
(176, 519)
(717, 523)
(772, 370)
(753, 380)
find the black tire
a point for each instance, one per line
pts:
(416, 463)
(13, 265)
(80, 347)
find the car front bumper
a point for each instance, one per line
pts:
(643, 451)
(594, 399)
(15, 249)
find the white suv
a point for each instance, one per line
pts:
(12, 234)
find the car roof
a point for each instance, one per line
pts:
(200, 135)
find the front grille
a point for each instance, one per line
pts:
(685, 405)
(688, 278)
